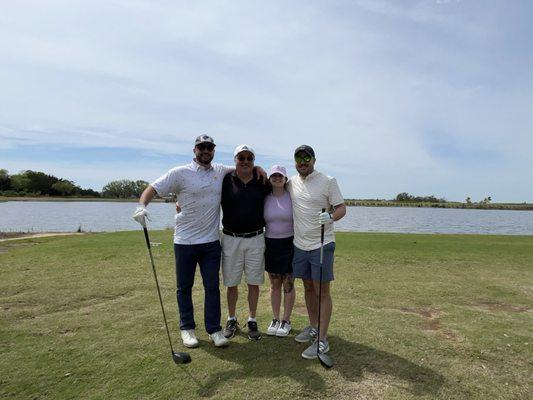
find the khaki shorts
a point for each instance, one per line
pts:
(243, 255)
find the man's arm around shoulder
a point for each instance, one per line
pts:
(339, 212)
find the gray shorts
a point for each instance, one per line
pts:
(243, 255)
(306, 264)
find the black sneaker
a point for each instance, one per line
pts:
(232, 326)
(253, 332)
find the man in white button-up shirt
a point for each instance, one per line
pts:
(198, 187)
(312, 191)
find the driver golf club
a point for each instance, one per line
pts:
(325, 360)
(179, 357)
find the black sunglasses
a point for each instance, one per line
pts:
(205, 146)
(245, 158)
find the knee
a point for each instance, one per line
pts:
(325, 290)
(288, 286)
(309, 287)
(211, 284)
(275, 283)
(253, 288)
(211, 287)
(184, 289)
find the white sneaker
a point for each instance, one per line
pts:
(284, 329)
(219, 340)
(273, 327)
(189, 338)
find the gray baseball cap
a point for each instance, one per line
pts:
(306, 149)
(204, 139)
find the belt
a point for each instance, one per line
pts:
(243, 235)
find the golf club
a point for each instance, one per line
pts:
(179, 357)
(325, 360)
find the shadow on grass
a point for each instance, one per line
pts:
(273, 358)
(353, 360)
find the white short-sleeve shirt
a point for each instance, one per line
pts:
(198, 191)
(309, 196)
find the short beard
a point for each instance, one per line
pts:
(309, 171)
(199, 160)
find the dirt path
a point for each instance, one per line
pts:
(20, 236)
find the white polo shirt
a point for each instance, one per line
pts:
(309, 196)
(198, 191)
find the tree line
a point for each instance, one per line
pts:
(407, 198)
(36, 183)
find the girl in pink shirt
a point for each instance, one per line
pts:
(279, 251)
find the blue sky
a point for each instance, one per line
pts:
(428, 97)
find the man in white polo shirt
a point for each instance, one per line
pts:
(198, 187)
(312, 191)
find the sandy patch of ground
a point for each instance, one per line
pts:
(9, 236)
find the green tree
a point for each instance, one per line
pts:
(88, 192)
(140, 185)
(404, 197)
(487, 200)
(5, 180)
(124, 189)
(34, 182)
(64, 187)
(20, 182)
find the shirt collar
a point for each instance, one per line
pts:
(310, 176)
(253, 181)
(197, 166)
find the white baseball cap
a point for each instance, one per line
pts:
(277, 169)
(243, 147)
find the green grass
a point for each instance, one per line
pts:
(415, 316)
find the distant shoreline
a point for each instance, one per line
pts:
(349, 202)
(448, 204)
(87, 199)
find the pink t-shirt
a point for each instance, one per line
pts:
(278, 216)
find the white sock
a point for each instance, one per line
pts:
(232, 319)
(251, 319)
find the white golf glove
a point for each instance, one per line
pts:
(324, 218)
(141, 215)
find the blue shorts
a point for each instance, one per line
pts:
(306, 264)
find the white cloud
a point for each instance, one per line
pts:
(375, 86)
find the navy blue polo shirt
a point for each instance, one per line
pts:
(243, 204)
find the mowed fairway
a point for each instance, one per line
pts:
(415, 316)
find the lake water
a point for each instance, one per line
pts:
(42, 216)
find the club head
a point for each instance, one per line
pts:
(181, 357)
(325, 360)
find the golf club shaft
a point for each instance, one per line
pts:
(320, 287)
(157, 285)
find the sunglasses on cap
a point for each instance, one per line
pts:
(205, 146)
(245, 158)
(300, 159)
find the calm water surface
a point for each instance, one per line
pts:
(42, 216)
